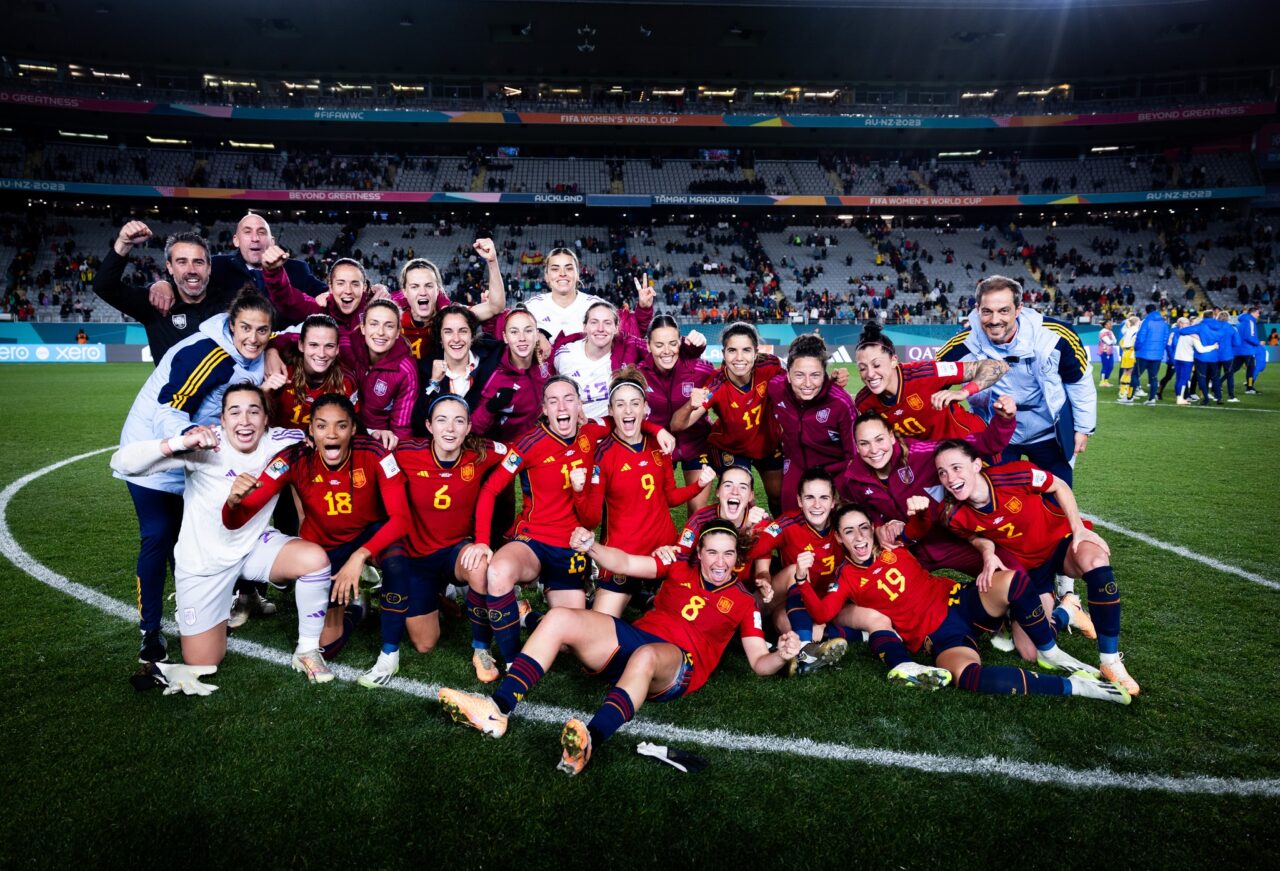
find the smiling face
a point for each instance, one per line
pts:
(253, 237)
(998, 314)
(816, 501)
(600, 327)
(856, 535)
(628, 409)
(250, 331)
(331, 432)
(562, 407)
(244, 419)
(805, 375)
(961, 475)
(455, 339)
(561, 274)
(874, 441)
(735, 495)
(739, 358)
(347, 287)
(664, 345)
(449, 426)
(521, 335)
(717, 557)
(878, 369)
(421, 286)
(319, 347)
(190, 268)
(381, 330)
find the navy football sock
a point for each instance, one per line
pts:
(889, 648)
(392, 614)
(504, 619)
(1029, 612)
(523, 674)
(478, 614)
(1005, 680)
(1104, 607)
(834, 630)
(532, 619)
(801, 622)
(616, 711)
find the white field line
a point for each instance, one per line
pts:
(985, 766)
(1184, 552)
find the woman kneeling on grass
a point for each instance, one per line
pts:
(667, 653)
(889, 594)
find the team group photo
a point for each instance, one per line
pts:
(698, 412)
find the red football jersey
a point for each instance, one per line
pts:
(700, 619)
(797, 536)
(288, 409)
(1019, 519)
(742, 426)
(443, 496)
(911, 413)
(896, 585)
(418, 338)
(767, 533)
(635, 490)
(338, 504)
(543, 462)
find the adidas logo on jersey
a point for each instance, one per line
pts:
(231, 473)
(319, 479)
(626, 467)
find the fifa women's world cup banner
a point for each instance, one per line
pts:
(941, 121)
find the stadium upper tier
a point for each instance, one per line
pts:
(249, 91)
(839, 175)
(712, 271)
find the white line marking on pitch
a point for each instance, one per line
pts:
(1183, 552)
(985, 766)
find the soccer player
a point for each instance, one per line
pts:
(221, 465)
(915, 397)
(667, 653)
(1106, 352)
(673, 368)
(353, 506)
(741, 434)
(348, 291)
(1128, 359)
(812, 414)
(538, 548)
(185, 389)
(385, 372)
(591, 356)
(735, 503)
(444, 475)
(422, 296)
(632, 486)
(312, 368)
(903, 607)
(511, 398)
(562, 309)
(1007, 506)
(808, 529)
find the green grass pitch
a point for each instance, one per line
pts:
(272, 772)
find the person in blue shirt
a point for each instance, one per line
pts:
(1208, 372)
(1149, 349)
(1228, 340)
(1247, 351)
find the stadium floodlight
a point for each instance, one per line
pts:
(262, 145)
(37, 68)
(161, 140)
(70, 135)
(1100, 149)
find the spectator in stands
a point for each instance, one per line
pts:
(1049, 375)
(82, 338)
(187, 258)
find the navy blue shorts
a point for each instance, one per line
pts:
(631, 639)
(618, 583)
(428, 577)
(694, 465)
(563, 568)
(1042, 576)
(721, 460)
(966, 621)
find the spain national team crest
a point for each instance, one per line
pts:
(888, 557)
(380, 388)
(760, 389)
(357, 478)
(905, 475)
(657, 458)
(179, 321)
(823, 415)
(1014, 505)
(915, 402)
(725, 605)
(686, 389)
(584, 443)
(468, 472)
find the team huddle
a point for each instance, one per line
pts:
(363, 442)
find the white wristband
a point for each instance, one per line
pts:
(177, 444)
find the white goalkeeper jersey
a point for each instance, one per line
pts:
(556, 319)
(592, 376)
(205, 546)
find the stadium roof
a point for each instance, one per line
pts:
(917, 41)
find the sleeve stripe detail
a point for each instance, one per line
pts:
(198, 377)
(1073, 341)
(955, 340)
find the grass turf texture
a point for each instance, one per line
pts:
(272, 771)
